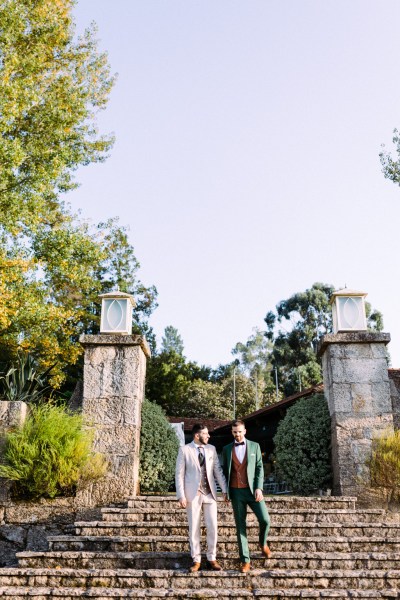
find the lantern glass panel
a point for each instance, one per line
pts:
(115, 314)
(351, 313)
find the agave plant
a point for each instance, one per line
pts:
(23, 381)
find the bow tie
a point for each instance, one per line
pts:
(239, 444)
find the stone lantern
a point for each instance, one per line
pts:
(116, 313)
(348, 311)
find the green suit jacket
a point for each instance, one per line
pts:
(255, 469)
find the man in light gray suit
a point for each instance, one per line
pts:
(197, 467)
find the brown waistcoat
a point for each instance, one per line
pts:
(238, 472)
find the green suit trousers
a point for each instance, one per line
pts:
(242, 498)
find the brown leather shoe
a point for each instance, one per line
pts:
(215, 566)
(266, 551)
(195, 567)
(244, 567)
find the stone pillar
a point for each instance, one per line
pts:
(113, 391)
(356, 386)
(12, 414)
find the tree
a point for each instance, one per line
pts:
(295, 330)
(391, 166)
(207, 400)
(245, 393)
(168, 379)
(255, 362)
(158, 450)
(53, 265)
(172, 340)
(51, 87)
(302, 445)
(53, 287)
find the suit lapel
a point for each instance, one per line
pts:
(194, 453)
(207, 454)
(229, 457)
(250, 460)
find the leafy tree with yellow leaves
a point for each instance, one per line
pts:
(52, 265)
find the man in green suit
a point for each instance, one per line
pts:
(244, 473)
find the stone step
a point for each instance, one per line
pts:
(162, 528)
(278, 515)
(44, 593)
(182, 560)
(167, 579)
(281, 543)
(176, 580)
(324, 502)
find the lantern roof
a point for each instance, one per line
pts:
(119, 295)
(347, 292)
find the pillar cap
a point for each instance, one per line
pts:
(353, 337)
(110, 339)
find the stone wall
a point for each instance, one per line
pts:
(12, 414)
(25, 525)
(394, 379)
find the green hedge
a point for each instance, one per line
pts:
(158, 450)
(303, 446)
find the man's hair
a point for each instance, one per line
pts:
(198, 427)
(238, 422)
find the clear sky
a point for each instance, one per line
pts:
(246, 159)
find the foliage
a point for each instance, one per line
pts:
(245, 394)
(391, 166)
(52, 296)
(53, 265)
(23, 382)
(50, 454)
(302, 445)
(158, 450)
(206, 400)
(51, 87)
(168, 379)
(295, 330)
(384, 466)
(172, 340)
(254, 354)
(255, 362)
(186, 389)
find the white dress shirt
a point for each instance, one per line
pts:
(240, 451)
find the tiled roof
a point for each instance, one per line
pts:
(394, 373)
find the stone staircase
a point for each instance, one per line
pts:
(322, 548)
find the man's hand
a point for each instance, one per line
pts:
(225, 497)
(182, 502)
(258, 495)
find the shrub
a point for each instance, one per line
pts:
(50, 454)
(23, 381)
(158, 450)
(384, 466)
(302, 445)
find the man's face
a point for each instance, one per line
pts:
(202, 436)
(238, 433)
